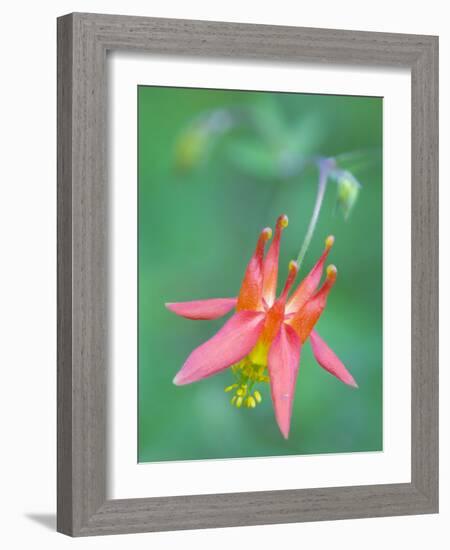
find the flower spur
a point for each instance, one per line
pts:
(262, 340)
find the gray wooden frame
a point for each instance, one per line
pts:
(83, 41)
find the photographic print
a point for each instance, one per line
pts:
(260, 274)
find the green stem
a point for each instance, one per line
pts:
(324, 166)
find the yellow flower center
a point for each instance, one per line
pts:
(247, 374)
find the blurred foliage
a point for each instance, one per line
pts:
(215, 166)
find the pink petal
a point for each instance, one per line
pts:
(270, 264)
(250, 294)
(329, 360)
(228, 346)
(203, 309)
(306, 317)
(310, 283)
(284, 356)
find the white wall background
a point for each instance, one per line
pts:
(28, 271)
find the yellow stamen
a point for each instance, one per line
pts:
(251, 403)
(284, 221)
(247, 373)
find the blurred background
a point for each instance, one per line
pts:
(215, 167)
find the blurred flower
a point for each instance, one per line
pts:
(348, 188)
(270, 146)
(262, 340)
(189, 149)
(194, 143)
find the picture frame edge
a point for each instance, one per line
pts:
(82, 505)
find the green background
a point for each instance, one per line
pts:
(199, 218)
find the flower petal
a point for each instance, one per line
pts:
(228, 346)
(310, 283)
(284, 356)
(305, 319)
(273, 321)
(203, 309)
(328, 360)
(250, 295)
(270, 268)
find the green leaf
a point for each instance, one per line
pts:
(253, 158)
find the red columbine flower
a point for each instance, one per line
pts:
(262, 340)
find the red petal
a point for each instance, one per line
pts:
(284, 356)
(271, 263)
(275, 315)
(203, 309)
(228, 346)
(310, 283)
(250, 295)
(328, 360)
(305, 319)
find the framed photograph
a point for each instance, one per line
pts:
(247, 274)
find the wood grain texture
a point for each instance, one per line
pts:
(64, 297)
(83, 319)
(425, 272)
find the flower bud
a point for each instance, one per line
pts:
(347, 192)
